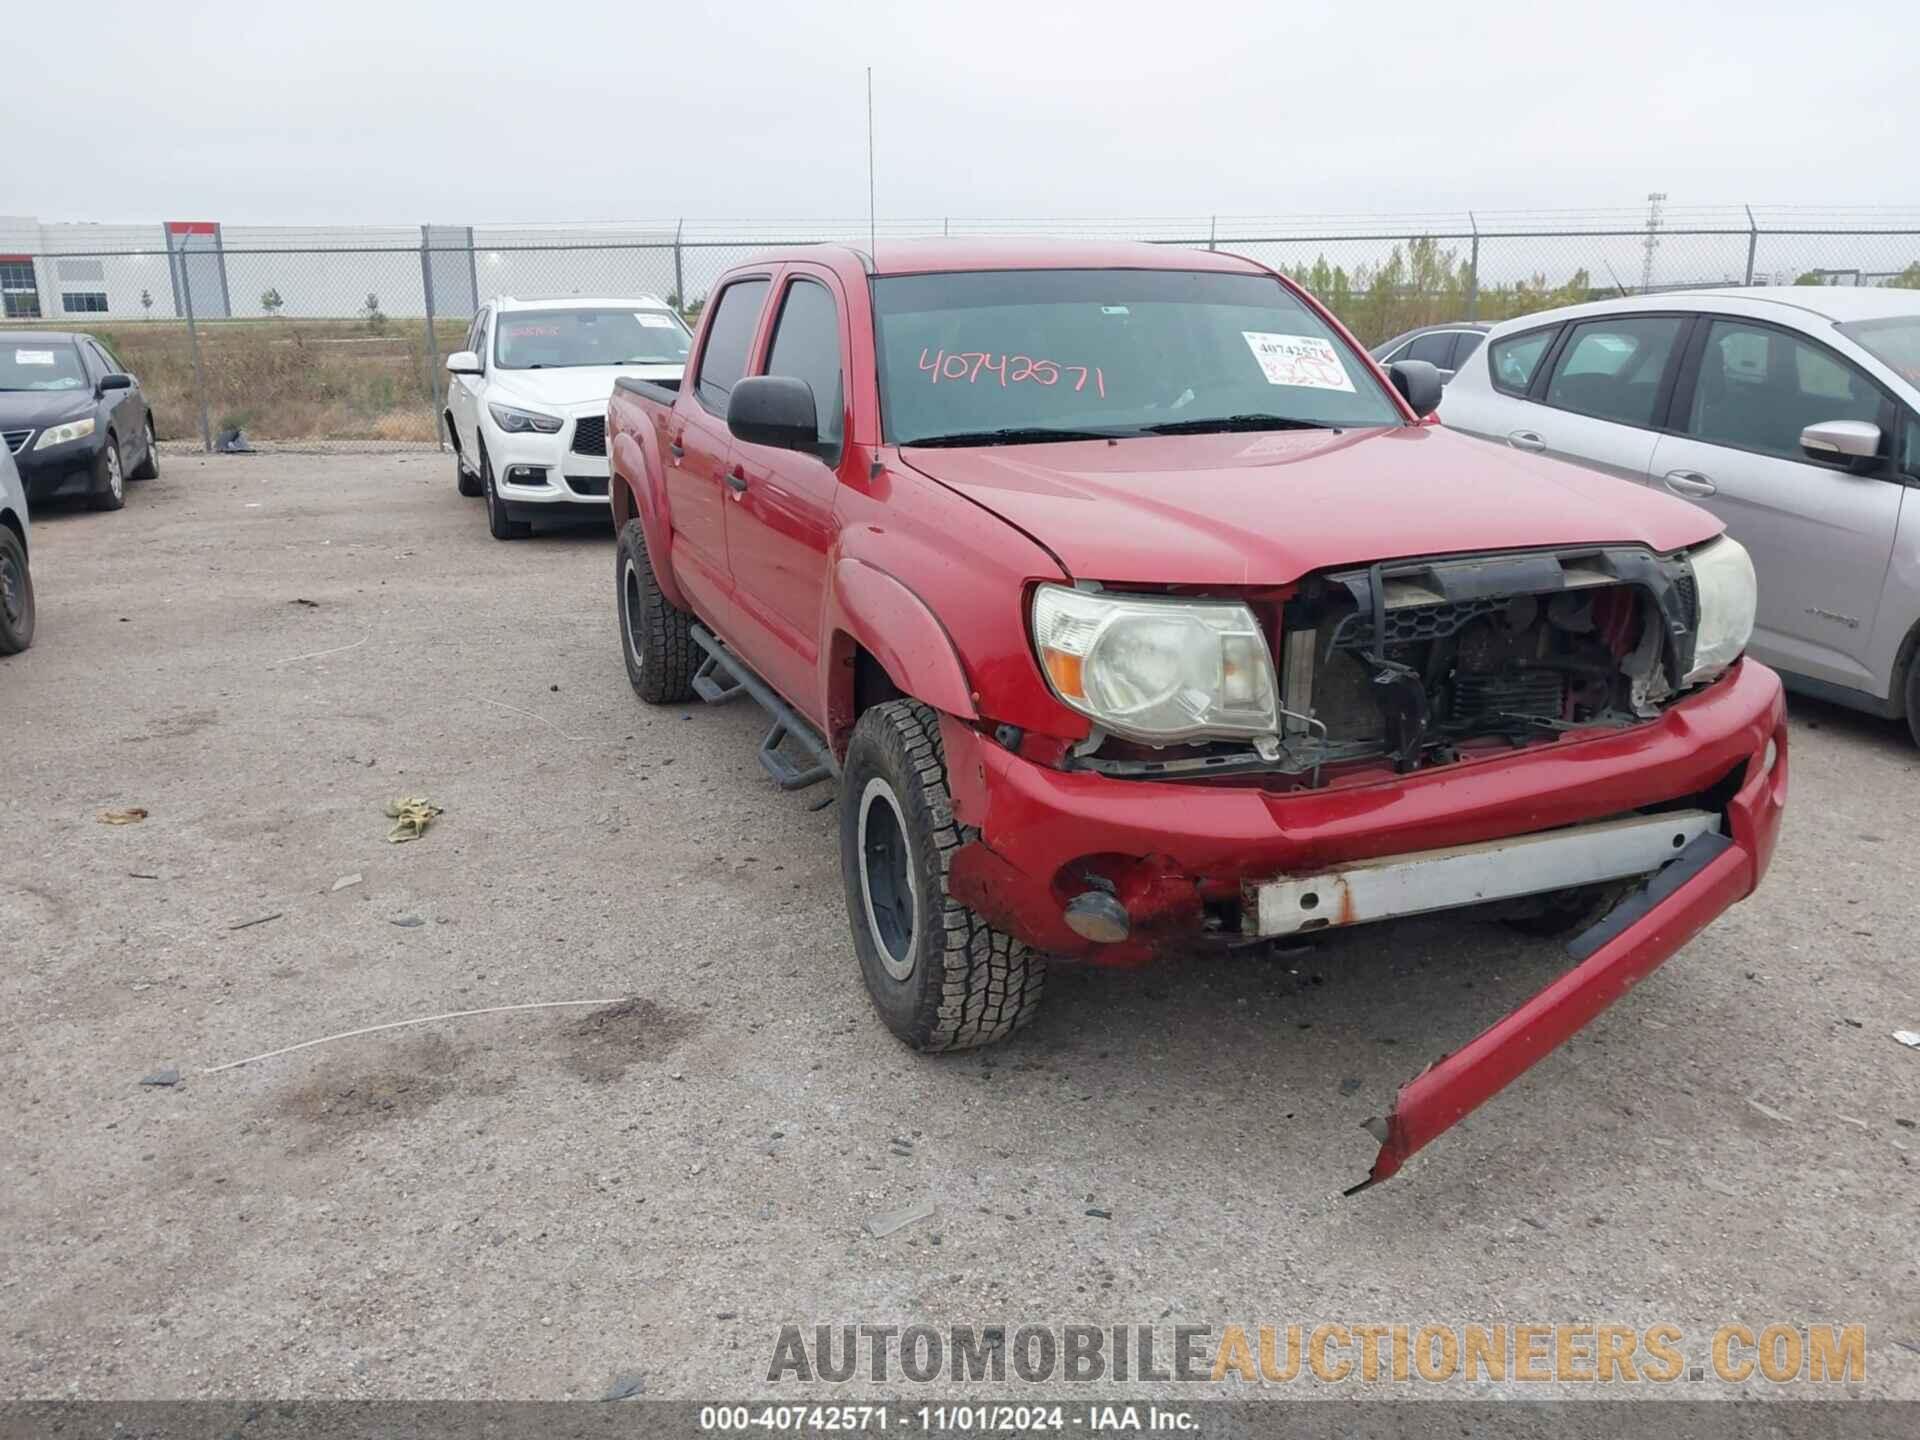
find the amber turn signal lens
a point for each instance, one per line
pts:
(1064, 671)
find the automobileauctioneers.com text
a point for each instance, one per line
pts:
(1323, 1354)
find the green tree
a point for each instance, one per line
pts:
(1907, 279)
(270, 301)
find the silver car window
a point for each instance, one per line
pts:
(1759, 388)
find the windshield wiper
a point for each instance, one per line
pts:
(1234, 422)
(1019, 435)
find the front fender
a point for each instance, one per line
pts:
(639, 492)
(868, 607)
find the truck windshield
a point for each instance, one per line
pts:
(556, 339)
(1013, 356)
(1894, 342)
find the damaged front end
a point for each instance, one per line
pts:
(1412, 661)
(1419, 663)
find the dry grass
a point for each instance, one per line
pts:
(286, 379)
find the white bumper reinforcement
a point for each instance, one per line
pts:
(1472, 874)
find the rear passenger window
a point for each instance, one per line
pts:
(1611, 369)
(1515, 360)
(723, 359)
(1759, 388)
(1465, 343)
(1434, 349)
(806, 345)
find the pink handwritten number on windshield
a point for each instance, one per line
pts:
(967, 365)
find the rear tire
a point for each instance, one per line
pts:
(16, 595)
(109, 481)
(940, 976)
(656, 638)
(149, 466)
(500, 524)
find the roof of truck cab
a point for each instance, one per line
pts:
(920, 257)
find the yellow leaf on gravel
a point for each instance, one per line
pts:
(132, 816)
(411, 814)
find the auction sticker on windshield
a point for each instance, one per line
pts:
(1306, 360)
(653, 321)
(33, 357)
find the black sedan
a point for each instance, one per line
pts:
(76, 422)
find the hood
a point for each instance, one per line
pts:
(37, 409)
(1265, 509)
(570, 385)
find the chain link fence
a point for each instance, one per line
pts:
(337, 338)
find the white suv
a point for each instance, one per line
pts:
(527, 402)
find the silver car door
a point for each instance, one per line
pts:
(1820, 535)
(1609, 385)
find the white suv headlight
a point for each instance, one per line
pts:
(516, 421)
(1724, 584)
(1156, 670)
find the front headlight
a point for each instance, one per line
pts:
(1724, 585)
(1156, 670)
(61, 434)
(519, 422)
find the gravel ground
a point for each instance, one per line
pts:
(262, 651)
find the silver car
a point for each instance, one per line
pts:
(16, 581)
(1445, 347)
(1793, 414)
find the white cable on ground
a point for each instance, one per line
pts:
(398, 1024)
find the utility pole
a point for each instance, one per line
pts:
(1652, 243)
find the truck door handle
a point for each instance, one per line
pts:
(1526, 440)
(737, 480)
(677, 449)
(1689, 482)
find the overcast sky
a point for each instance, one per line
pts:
(400, 112)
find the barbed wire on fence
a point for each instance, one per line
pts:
(336, 335)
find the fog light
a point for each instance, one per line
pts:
(1097, 916)
(526, 475)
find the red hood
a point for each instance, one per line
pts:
(1264, 509)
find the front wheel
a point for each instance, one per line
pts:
(1913, 697)
(464, 480)
(656, 637)
(940, 976)
(1565, 912)
(16, 595)
(109, 481)
(500, 524)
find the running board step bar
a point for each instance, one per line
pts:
(722, 677)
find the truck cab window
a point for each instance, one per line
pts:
(723, 359)
(806, 345)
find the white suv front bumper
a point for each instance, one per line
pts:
(534, 469)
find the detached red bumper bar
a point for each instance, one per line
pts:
(1714, 872)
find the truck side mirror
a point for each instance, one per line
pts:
(774, 410)
(1419, 384)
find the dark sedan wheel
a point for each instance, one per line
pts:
(16, 595)
(149, 466)
(109, 480)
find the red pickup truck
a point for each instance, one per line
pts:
(1137, 613)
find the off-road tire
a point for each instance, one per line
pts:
(149, 466)
(110, 482)
(656, 637)
(500, 524)
(1565, 912)
(16, 595)
(464, 480)
(965, 983)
